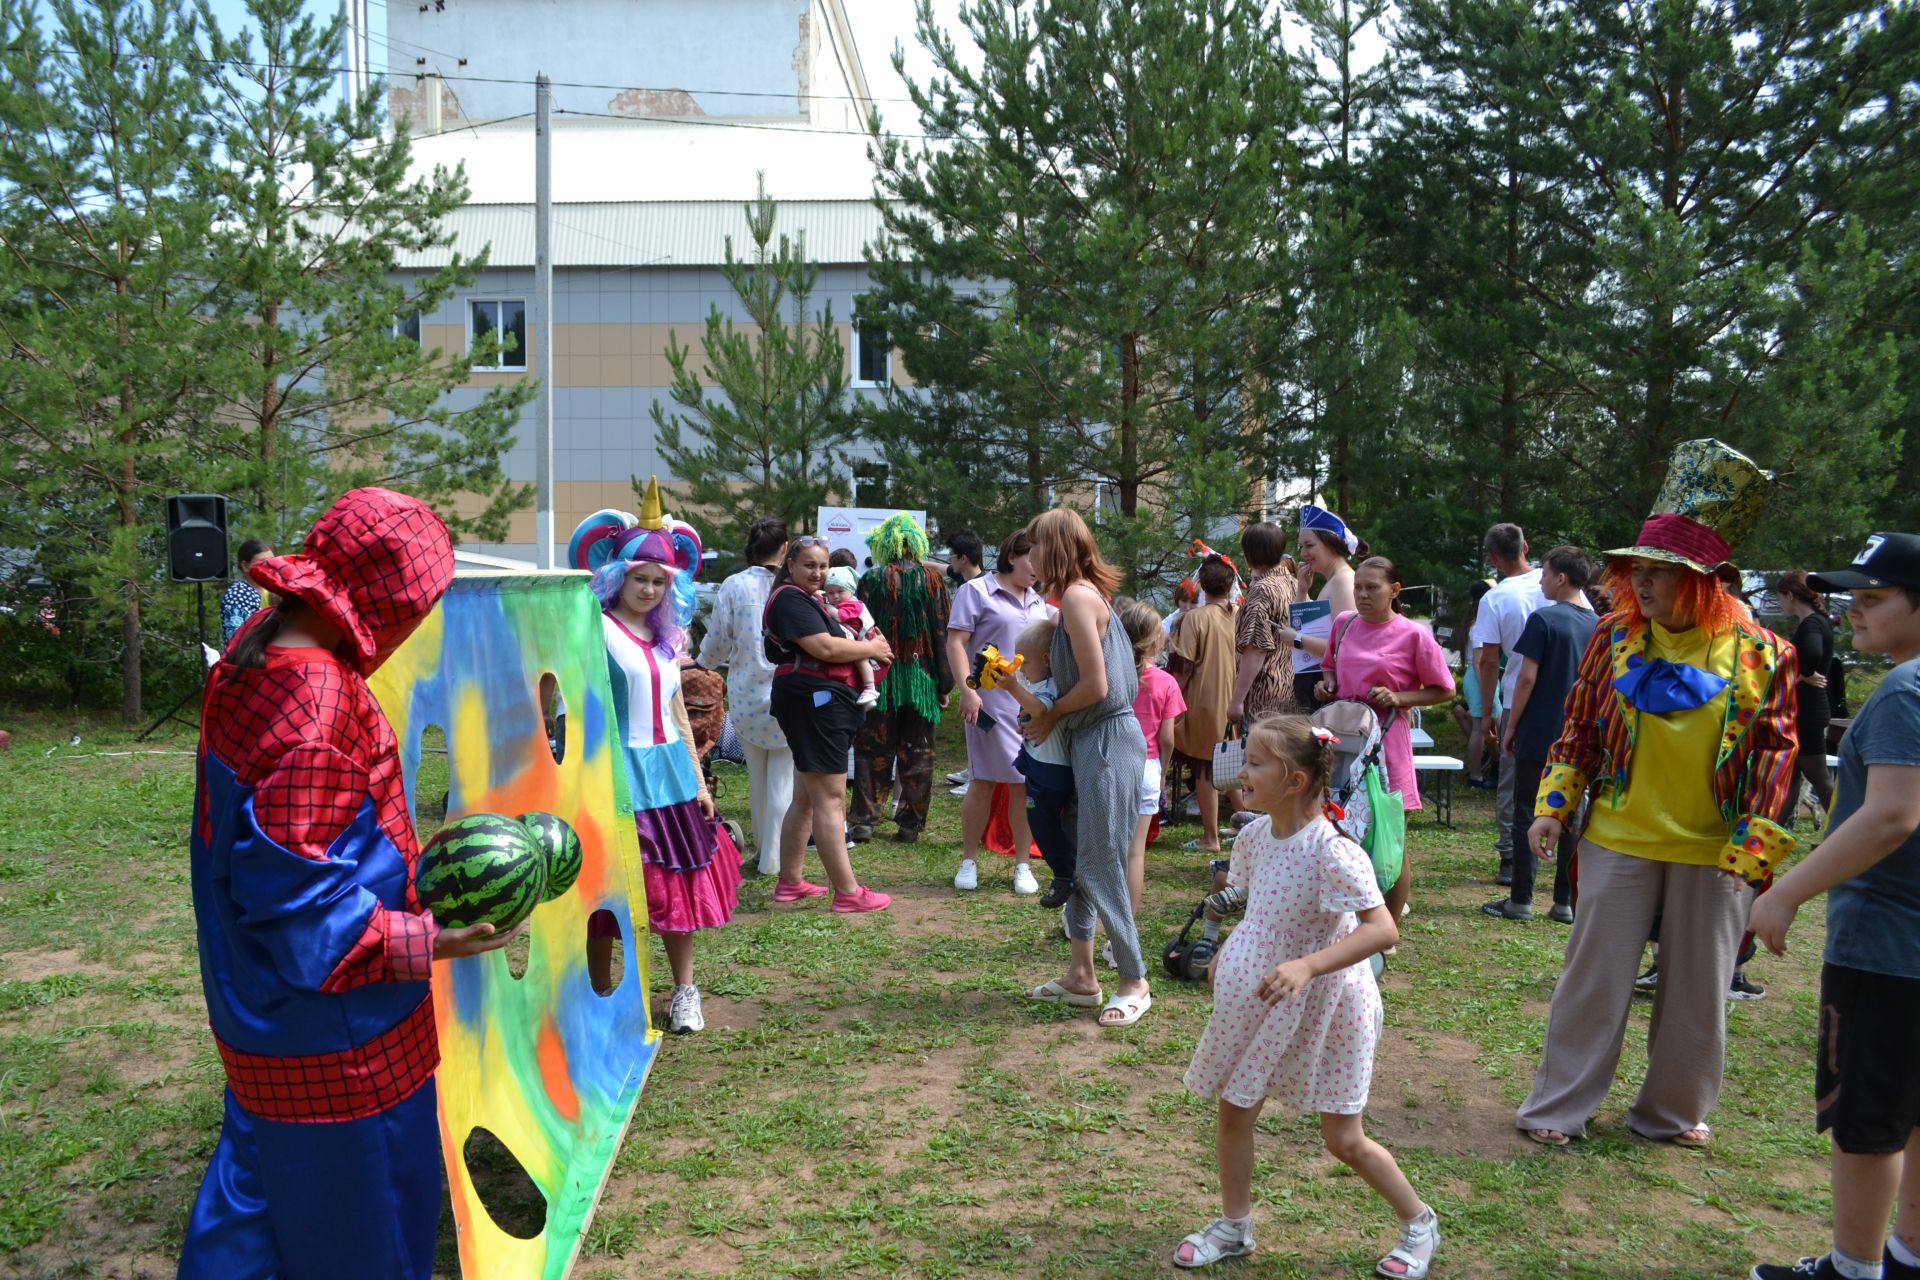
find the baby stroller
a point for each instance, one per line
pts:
(1361, 736)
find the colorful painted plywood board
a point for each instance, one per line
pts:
(549, 1067)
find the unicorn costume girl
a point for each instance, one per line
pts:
(690, 867)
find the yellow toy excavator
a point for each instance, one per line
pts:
(990, 670)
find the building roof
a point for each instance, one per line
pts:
(606, 160)
(652, 233)
(630, 193)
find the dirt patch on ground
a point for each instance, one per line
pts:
(33, 966)
(1430, 1091)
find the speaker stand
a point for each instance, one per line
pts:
(199, 653)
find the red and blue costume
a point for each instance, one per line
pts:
(315, 952)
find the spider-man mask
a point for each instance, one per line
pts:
(374, 566)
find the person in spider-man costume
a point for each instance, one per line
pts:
(314, 950)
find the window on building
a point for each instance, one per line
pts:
(407, 325)
(872, 357)
(870, 485)
(498, 319)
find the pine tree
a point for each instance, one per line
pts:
(104, 272)
(1625, 227)
(768, 443)
(1468, 190)
(1721, 144)
(1346, 358)
(1721, 153)
(1082, 269)
(325, 381)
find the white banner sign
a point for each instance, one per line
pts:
(848, 527)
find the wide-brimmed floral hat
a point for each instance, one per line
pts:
(1710, 503)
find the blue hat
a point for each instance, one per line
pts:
(1321, 520)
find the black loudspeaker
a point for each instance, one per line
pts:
(197, 537)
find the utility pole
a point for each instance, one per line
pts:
(543, 317)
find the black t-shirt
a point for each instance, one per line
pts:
(1813, 645)
(1554, 637)
(791, 614)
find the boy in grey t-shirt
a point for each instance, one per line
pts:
(1867, 1076)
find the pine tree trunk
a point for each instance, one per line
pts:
(269, 414)
(1129, 469)
(270, 382)
(128, 514)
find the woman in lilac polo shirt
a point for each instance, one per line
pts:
(991, 610)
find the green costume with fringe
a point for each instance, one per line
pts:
(909, 603)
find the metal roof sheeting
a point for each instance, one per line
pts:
(654, 233)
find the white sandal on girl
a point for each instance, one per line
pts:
(1413, 1256)
(1218, 1240)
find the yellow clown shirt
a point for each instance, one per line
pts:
(1672, 823)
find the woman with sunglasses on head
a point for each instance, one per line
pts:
(814, 702)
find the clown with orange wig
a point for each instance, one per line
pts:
(1680, 733)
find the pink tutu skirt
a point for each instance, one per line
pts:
(691, 869)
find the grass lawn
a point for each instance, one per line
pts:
(872, 1097)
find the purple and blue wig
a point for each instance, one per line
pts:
(610, 543)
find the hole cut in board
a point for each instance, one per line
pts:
(432, 782)
(517, 950)
(553, 716)
(505, 1188)
(606, 953)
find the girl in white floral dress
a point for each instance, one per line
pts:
(1296, 1013)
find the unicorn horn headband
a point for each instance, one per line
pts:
(607, 536)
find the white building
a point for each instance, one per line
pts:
(665, 114)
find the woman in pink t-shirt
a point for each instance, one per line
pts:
(1159, 704)
(1382, 657)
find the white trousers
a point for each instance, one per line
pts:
(770, 780)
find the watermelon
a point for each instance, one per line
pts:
(562, 847)
(484, 868)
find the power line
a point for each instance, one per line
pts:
(707, 121)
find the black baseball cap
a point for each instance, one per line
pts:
(1888, 560)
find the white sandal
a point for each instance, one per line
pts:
(1419, 1242)
(1130, 1008)
(1054, 991)
(1215, 1242)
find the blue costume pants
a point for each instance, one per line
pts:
(354, 1198)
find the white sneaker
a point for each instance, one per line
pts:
(1023, 881)
(867, 697)
(968, 876)
(685, 1016)
(960, 778)
(1106, 956)
(960, 790)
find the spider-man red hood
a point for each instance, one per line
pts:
(374, 566)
